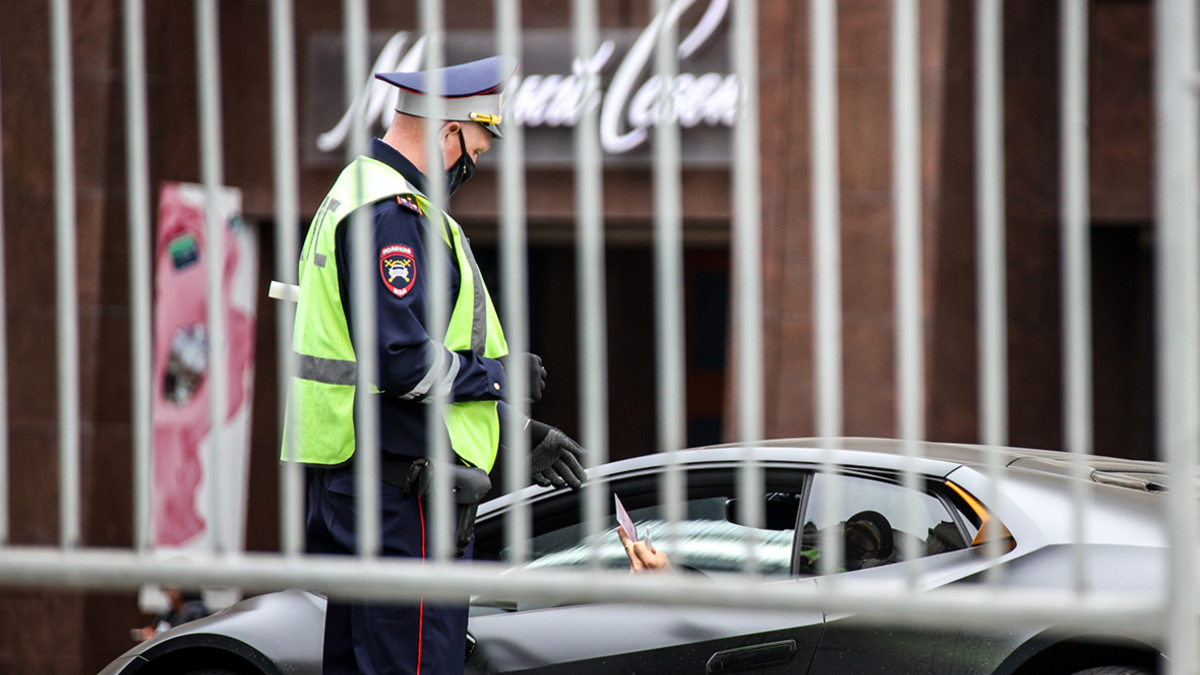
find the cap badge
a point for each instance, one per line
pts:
(398, 268)
(485, 119)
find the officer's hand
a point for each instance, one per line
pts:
(555, 459)
(533, 365)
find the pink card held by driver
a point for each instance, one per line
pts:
(624, 520)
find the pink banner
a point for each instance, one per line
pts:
(183, 442)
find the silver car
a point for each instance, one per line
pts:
(872, 521)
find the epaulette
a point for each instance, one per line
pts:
(408, 202)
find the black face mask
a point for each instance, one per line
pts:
(462, 170)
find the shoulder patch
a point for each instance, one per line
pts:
(398, 267)
(409, 202)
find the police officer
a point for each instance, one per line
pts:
(468, 366)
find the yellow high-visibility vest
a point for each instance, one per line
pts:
(322, 411)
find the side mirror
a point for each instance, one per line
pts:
(780, 510)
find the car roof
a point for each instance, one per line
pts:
(930, 458)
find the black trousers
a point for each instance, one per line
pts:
(377, 638)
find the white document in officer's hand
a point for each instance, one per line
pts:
(624, 520)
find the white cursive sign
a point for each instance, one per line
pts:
(559, 100)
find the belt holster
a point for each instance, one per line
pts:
(412, 477)
(469, 487)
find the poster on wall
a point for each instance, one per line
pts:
(183, 440)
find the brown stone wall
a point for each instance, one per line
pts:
(1121, 196)
(864, 117)
(787, 290)
(949, 209)
(44, 630)
(1031, 123)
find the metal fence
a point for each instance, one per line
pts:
(1172, 617)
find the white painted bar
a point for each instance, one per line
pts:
(747, 262)
(409, 579)
(827, 254)
(590, 278)
(212, 175)
(670, 343)
(747, 222)
(1076, 265)
(65, 247)
(514, 286)
(990, 214)
(1177, 282)
(432, 24)
(990, 247)
(287, 219)
(907, 258)
(362, 281)
(141, 327)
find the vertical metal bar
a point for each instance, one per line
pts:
(747, 264)
(362, 245)
(4, 412)
(65, 250)
(907, 261)
(827, 286)
(287, 216)
(668, 269)
(514, 260)
(141, 348)
(432, 25)
(590, 272)
(212, 170)
(826, 216)
(990, 249)
(989, 142)
(747, 218)
(1076, 250)
(1178, 291)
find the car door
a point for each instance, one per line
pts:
(609, 638)
(942, 528)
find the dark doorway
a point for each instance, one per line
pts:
(1123, 340)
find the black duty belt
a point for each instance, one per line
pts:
(410, 476)
(468, 484)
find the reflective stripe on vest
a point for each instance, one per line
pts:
(324, 385)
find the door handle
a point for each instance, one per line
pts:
(754, 656)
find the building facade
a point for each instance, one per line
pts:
(51, 631)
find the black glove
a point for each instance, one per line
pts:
(554, 459)
(537, 374)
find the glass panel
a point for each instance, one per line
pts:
(706, 540)
(873, 518)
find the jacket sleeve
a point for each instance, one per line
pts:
(412, 365)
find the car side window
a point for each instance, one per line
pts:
(707, 539)
(871, 516)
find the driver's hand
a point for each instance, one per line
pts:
(643, 558)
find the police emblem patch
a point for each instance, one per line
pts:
(398, 268)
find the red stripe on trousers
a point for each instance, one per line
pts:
(421, 612)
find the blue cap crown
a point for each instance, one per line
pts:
(470, 91)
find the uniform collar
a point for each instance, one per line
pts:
(392, 157)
